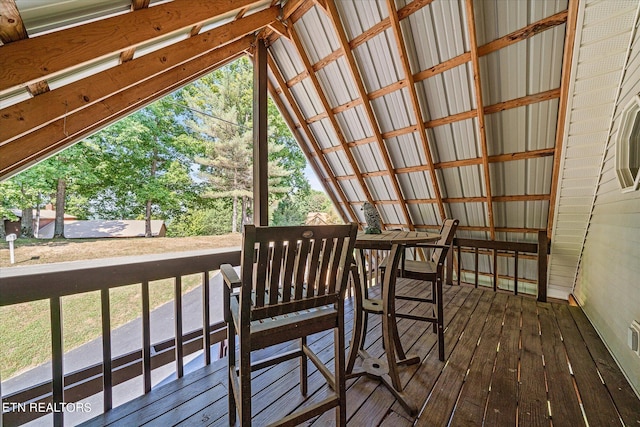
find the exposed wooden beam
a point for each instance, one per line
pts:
(139, 4)
(333, 56)
(415, 103)
(26, 116)
(275, 96)
(465, 115)
(12, 28)
(442, 67)
(35, 146)
(523, 101)
(385, 24)
(30, 60)
(482, 135)
(38, 88)
(387, 89)
(311, 137)
(327, 107)
(567, 59)
(260, 140)
(524, 33)
(355, 73)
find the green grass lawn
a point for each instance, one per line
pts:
(25, 336)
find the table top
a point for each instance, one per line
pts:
(390, 237)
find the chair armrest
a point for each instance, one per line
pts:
(230, 276)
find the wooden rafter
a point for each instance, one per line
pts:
(505, 41)
(275, 95)
(482, 135)
(498, 158)
(325, 103)
(311, 137)
(30, 60)
(357, 78)
(21, 152)
(12, 28)
(567, 60)
(24, 117)
(415, 103)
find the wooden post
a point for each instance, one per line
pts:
(260, 149)
(543, 249)
(57, 355)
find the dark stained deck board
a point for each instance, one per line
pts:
(532, 394)
(440, 404)
(597, 403)
(472, 400)
(503, 397)
(565, 408)
(373, 398)
(456, 392)
(623, 395)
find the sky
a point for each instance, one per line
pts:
(313, 179)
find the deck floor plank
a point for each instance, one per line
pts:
(563, 401)
(480, 383)
(503, 398)
(598, 405)
(440, 404)
(532, 394)
(475, 390)
(623, 395)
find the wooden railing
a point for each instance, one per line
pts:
(54, 281)
(516, 250)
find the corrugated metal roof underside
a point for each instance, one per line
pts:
(436, 33)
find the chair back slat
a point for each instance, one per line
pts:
(274, 274)
(447, 232)
(261, 273)
(295, 268)
(314, 266)
(301, 265)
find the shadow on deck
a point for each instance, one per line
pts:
(510, 361)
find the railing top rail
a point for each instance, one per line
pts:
(499, 245)
(31, 283)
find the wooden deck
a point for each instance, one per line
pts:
(510, 361)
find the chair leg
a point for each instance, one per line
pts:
(231, 362)
(303, 367)
(339, 371)
(440, 319)
(245, 380)
(435, 304)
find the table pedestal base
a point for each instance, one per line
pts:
(377, 368)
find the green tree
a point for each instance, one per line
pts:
(220, 106)
(146, 160)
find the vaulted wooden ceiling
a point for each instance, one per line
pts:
(426, 108)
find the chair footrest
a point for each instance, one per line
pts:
(418, 299)
(419, 318)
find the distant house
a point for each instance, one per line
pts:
(47, 216)
(317, 218)
(95, 229)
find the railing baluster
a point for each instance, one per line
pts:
(459, 271)
(495, 270)
(543, 248)
(515, 274)
(178, 318)
(146, 337)
(56, 359)
(206, 343)
(107, 379)
(477, 266)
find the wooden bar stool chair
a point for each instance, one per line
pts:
(291, 285)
